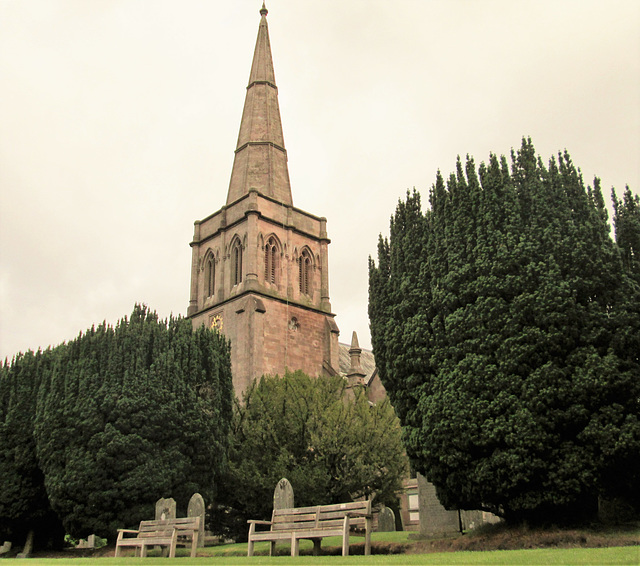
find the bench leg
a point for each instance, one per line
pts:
(295, 545)
(250, 548)
(272, 548)
(367, 538)
(143, 551)
(172, 551)
(316, 546)
(345, 536)
(118, 551)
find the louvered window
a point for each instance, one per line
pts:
(270, 260)
(236, 263)
(304, 268)
(210, 276)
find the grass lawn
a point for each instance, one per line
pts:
(627, 555)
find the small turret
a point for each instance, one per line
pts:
(356, 374)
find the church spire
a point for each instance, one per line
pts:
(260, 158)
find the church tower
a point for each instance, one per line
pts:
(260, 269)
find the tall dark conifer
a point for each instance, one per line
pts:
(506, 367)
(132, 414)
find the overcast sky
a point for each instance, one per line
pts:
(119, 118)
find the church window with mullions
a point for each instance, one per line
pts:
(304, 268)
(270, 260)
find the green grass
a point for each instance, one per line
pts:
(626, 555)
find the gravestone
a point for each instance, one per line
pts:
(28, 546)
(6, 547)
(386, 520)
(91, 541)
(283, 495)
(434, 518)
(196, 509)
(165, 508)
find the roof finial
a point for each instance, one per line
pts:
(263, 10)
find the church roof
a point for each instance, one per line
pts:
(260, 161)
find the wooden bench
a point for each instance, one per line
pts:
(315, 523)
(167, 532)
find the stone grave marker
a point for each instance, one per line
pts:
(28, 547)
(6, 547)
(386, 520)
(434, 518)
(283, 495)
(196, 509)
(165, 508)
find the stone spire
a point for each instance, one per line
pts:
(261, 160)
(355, 374)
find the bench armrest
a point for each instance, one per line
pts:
(255, 522)
(127, 531)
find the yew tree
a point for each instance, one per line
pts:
(329, 441)
(505, 324)
(128, 414)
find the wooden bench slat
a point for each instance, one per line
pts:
(166, 532)
(315, 523)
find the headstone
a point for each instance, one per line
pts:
(28, 547)
(283, 495)
(196, 509)
(434, 518)
(91, 541)
(386, 520)
(82, 543)
(165, 508)
(6, 547)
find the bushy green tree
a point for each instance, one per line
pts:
(497, 320)
(24, 505)
(129, 414)
(328, 441)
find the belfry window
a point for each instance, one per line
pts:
(210, 275)
(236, 263)
(304, 268)
(270, 260)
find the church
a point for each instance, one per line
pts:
(260, 266)
(260, 274)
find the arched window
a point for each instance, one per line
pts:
(236, 262)
(304, 268)
(270, 260)
(210, 275)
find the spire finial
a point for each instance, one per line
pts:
(263, 10)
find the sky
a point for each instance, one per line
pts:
(119, 118)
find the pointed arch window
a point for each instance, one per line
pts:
(271, 260)
(210, 275)
(236, 262)
(304, 268)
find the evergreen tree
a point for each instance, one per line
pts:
(131, 414)
(496, 321)
(331, 446)
(24, 505)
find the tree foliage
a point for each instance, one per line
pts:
(505, 330)
(120, 417)
(329, 442)
(24, 505)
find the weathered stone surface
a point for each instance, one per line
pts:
(165, 508)
(386, 520)
(434, 518)
(196, 509)
(28, 547)
(6, 547)
(283, 495)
